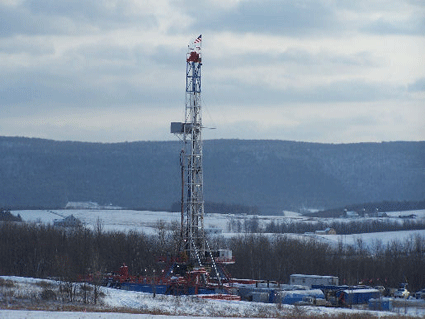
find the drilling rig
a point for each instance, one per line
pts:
(192, 215)
(194, 246)
(195, 269)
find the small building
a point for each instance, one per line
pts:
(223, 256)
(327, 231)
(69, 221)
(82, 205)
(310, 280)
(351, 214)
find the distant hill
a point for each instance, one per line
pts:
(268, 174)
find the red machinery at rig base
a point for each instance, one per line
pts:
(179, 279)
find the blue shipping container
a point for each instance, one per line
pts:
(381, 304)
(356, 297)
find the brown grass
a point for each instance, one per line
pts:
(44, 284)
(6, 283)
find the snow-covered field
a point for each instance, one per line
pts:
(147, 221)
(178, 306)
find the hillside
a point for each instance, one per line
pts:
(272, 175)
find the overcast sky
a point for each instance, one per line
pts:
(114, 70)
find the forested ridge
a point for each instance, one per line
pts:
(263, 175)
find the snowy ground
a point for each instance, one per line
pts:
(371, 239)
(177, 307)
(146, 221)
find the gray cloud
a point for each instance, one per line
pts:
(39, 88)
(310, 18)
(385, 17)
(339, 91)
(417, 86)
(31, 47)
(92, 74)
(292, 18)
(20, 20)
(299, 57)
(323, 129)
(70, 17)
(413, 26)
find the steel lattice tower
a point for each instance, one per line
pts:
(192, 219)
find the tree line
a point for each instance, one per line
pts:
(223, 208)
(244, 224)
(6, 215)
(260, 257)
(372, 209)
(45, 251)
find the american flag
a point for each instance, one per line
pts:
(198, 39)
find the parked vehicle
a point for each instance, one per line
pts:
(402, 293)
(381, 289)
(420, 294)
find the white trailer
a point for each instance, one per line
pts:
(309, 280)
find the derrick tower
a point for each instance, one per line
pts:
(193, 242)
